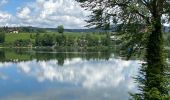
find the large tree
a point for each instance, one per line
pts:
(140, 23)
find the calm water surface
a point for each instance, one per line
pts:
(65, 76)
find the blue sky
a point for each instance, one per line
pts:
(12, 5)
(42, 13)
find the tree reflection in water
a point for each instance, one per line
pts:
(16, 55)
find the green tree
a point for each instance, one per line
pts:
(92, 40)
(141, 26)
(47, 40)
(61, 40)
(60, 29)
(37, 40)
(2, 37)
(22, 42)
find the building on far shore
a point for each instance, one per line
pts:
(13, 31)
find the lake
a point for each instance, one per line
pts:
(52, 75)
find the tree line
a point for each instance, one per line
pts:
(58, 40)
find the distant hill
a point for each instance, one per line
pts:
(41, 30)
(75, 30)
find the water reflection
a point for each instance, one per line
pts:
(76, 79)
(17, 55)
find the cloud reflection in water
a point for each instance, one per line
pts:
(113, 76)
(89, 74)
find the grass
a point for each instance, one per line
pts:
(11, 37)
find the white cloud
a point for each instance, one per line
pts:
(51, 13)
(2, 2)
(4, 17)
(23, 13)
(7, 19)
(46, 13)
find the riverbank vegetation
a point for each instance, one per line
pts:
(64, 40)
(55, 40)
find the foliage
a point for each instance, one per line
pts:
(44, 40)
(2, 37)
(57, 40)
(140, 24)
(61, 40)
(167, 39)
(92, 40)
(60, 29)
(22, 43)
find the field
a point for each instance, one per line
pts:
(11, 37)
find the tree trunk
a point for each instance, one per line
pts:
(154, 85)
